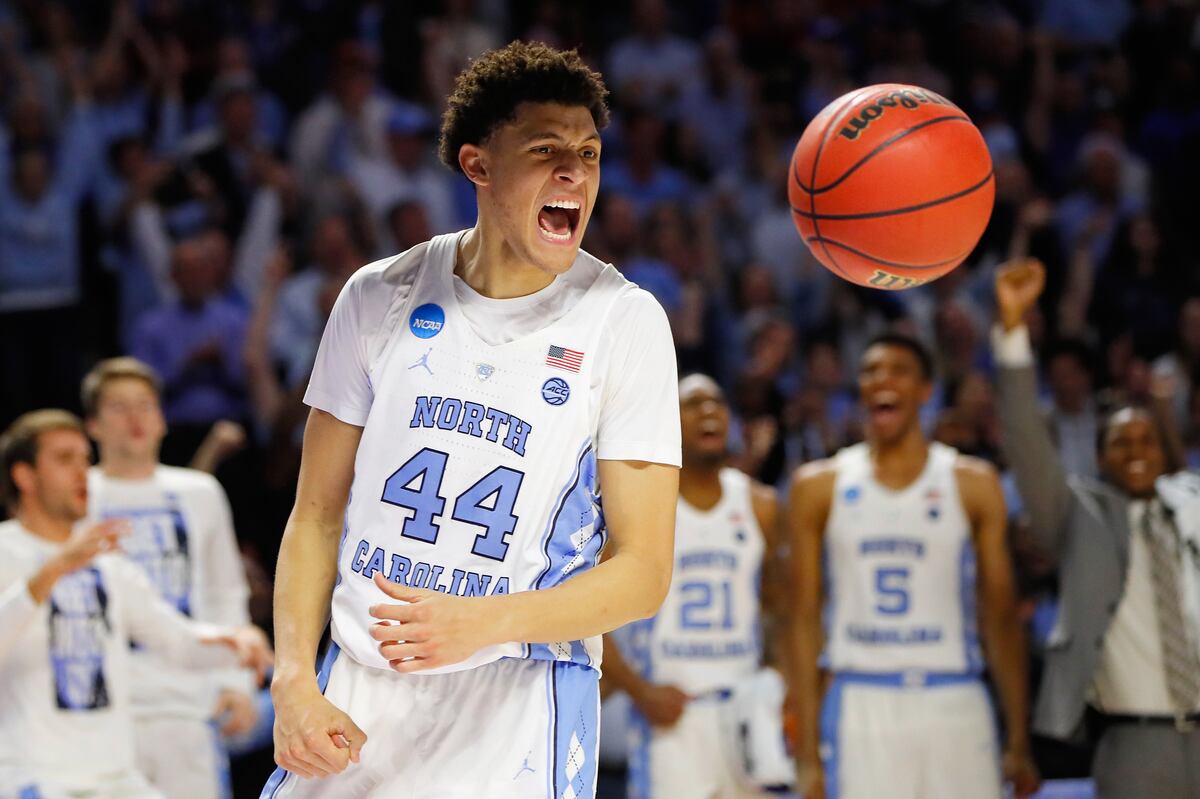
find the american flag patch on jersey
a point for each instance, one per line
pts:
(563, 358)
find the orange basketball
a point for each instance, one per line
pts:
(891, 186)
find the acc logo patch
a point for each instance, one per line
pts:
(556, 391)
(427, 321)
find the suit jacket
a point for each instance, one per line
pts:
(1085, 524)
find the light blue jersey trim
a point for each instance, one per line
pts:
(279, 776)
(638, 780)
(576, 728)
(906, 679)
(972, 656)
(567, 548)
(831, 716)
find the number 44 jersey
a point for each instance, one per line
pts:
(483, 420)
(900, 570)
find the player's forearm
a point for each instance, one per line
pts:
(805, 640)
(622, 589)
(304, 582)
(1004, 638)
(617, 671)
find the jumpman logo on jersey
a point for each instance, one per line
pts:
(424, 361)
(525, 767)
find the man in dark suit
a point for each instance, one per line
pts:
(1128, 552)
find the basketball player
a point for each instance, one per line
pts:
(683, 663)
(68, 612)
(495, 405)
(906, 536)
(181, 534)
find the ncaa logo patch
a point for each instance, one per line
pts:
(556, 391)
(427, 321)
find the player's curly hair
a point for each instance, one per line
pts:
(486, 94)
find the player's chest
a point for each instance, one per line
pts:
(441, 381)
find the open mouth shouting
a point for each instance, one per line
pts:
(558, 220)
(884, 407)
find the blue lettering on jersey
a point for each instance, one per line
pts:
(882, 636)
(727, 649)
(369, 560)
(892, 546)
(427, 320)
(78, 628)
(708, 560)
(472, 419)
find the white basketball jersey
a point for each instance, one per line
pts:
(706, 635)
(900, 569)
(476, 472)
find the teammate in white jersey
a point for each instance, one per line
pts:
(181, 534)
(489, 409)
(895, 542)
(681, 665)
(67, 615)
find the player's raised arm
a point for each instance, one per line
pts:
(1003, 634)
(306, 721)
(808, 505)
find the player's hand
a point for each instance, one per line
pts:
(236, 712)
(431, 629)
(313, 738)
(662, 705)
(1019, 283)
(250, 645)
(1020, 771)
(88, 541)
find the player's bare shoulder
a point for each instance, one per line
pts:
(765, 503)
(810, 493)
(978, 483)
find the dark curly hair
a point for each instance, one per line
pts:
(486, 94)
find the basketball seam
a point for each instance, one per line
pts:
(878, 149)
(812, 200)
(894, 211)
(883, 261)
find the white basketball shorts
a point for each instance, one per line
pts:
(512, 729)
(908, 736)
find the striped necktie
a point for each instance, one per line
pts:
(1179, 655)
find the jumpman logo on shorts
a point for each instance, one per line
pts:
(525, 767)
(424, 361)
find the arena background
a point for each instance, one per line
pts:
(248, 156)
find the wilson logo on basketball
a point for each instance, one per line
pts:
(907, 98)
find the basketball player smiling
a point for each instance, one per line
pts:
(462, 509)
(911, 534)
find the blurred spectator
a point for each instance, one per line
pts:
(41, 281)
(450, 41)
(1073, 416)
(406, 173)
(350, 119)
(195, 344)
(297, 323)
(1182, 362)
(717, 107)
(235, 66)
(642, 176)
(652, 67)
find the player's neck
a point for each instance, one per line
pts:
(34, 518)
(700, 486)
(488, 265)
(127, 468)
(897, 463)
